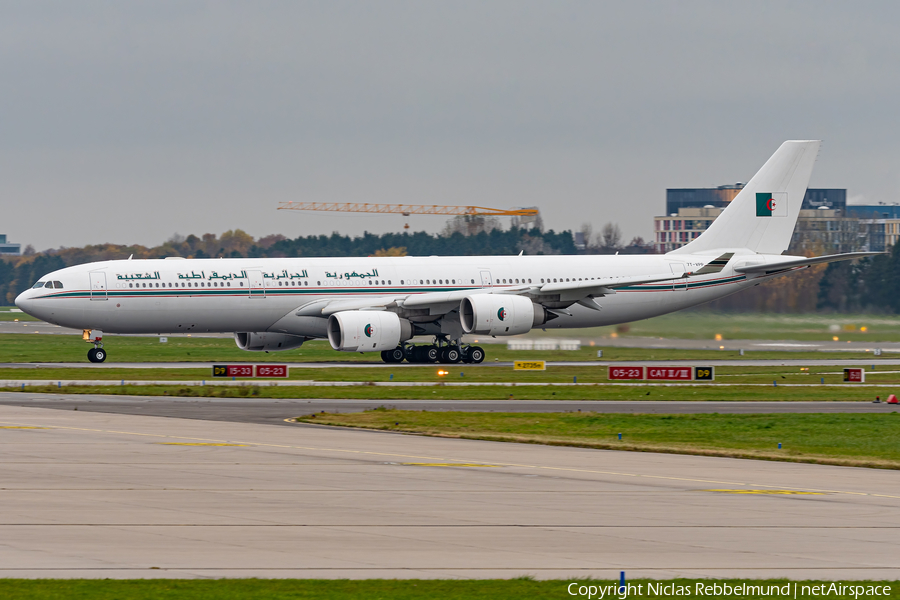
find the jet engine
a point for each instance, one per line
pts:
(498, 314)
(267, 342)
(367, 331)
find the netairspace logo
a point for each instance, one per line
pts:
(724, 590)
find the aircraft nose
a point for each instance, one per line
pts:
(24, 301)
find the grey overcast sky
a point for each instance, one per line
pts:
(127, 122)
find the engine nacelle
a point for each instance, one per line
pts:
(367, 331)
(267, 342)
(497, 314)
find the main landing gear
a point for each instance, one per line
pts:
(448, 353)
(96, 354)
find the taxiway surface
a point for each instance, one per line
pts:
(104, 495)
(275, 411)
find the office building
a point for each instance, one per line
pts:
(8, 249)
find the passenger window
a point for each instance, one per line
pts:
(305, 283)
(473, 281)
(389, 282)
(228, 284)
(242, 284)
(129, 285)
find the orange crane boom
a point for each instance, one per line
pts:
(408, 209)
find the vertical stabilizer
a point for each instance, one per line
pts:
(762, 216)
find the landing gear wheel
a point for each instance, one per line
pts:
(410, 354)
(96, 355)
(394, 356)
(450, 355)
(475, 355)
(418, 355)
(431, 354)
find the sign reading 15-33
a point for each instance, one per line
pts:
(280, 371)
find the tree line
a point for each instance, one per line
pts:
(19, 273)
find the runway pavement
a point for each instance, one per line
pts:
(272, 411)
(101, 495)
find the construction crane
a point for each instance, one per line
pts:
(412, 209)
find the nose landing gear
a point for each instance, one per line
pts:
(94, 336)
(96, 355)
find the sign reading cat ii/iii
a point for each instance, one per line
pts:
(529, 365)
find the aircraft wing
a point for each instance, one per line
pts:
(438, 303)
(575, 290)
(775, 267)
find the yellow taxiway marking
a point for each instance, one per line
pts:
(197, 444)
(447, 465)
(768, 492)
(20, 427)
(444, 458)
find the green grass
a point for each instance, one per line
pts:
(7, 315)
(883, 375)
(27, 348)
(846, 439)
(518, 392)
(699, 324)
(319, 589)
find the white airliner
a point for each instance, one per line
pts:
(378, 304)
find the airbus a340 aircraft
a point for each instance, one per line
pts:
(379, 304)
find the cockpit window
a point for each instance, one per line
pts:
(57, 285)
(37, 285)
(49, 284)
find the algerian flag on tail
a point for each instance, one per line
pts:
(776, 190)
(771, 204)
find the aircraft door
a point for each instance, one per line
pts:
(678, 284)
(257, 284)
(486, 281)
(98, 285)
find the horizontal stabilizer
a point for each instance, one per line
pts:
(775, 267)
(714, 266)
